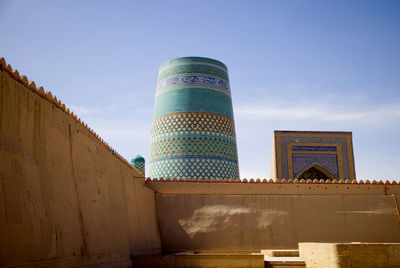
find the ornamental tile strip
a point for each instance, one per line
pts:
(194, 168)
(192, 122)
(193, 80)
(193, 146)
(315, 148)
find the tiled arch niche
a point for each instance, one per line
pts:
(294, 152)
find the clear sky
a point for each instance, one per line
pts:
(293, 65)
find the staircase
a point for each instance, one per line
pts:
(282, 258)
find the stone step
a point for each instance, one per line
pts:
(283, 262)
(281, 252)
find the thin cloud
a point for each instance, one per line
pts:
(365, 114)
(123, 132)
(116, 105)
(84, 111)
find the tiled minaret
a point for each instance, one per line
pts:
(193, 131)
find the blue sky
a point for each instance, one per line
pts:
(293, 65)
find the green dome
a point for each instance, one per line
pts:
(137, 159)
(138, 163)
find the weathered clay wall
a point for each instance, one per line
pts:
(251, 216)
(66, 198)
(273, 188)
(341, 255)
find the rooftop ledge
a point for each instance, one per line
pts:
(269, 187)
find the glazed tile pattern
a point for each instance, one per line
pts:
(195, 168)
(139, 166)
(328, 161)
(296, 151)
(193, 132)
(175, 68)
(314, 148)
(193, 145)
(139, 163)
(192, 123)
(192, 99)
(195, 80)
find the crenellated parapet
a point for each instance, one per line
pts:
(273, 181)
(47, 95)
(181, 186)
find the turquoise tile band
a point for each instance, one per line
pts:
(193, 132)
(193, 100)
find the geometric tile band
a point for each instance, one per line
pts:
(193, 132)
(194, 145)
(194, 168)
(192, 137)
(139, 166)
(193, 122)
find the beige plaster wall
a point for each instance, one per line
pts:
(341, 255)
(252, 222)
(319, 255)
(271, 188)
(65, 199)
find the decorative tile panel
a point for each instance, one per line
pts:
(192, 123)
(193, 80)
(194, 168)
(329, 161)
(296, 150)
(314, 148)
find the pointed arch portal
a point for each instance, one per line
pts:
(315, 171)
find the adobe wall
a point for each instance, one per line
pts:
(66, 198)
(341, 255)
(253, 216)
